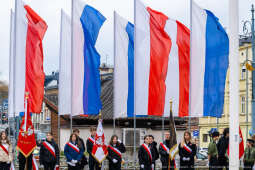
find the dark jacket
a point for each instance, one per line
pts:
(71, 154)
(144, 158)
(46, 156)
(164, 156)
(113, 155)
(222, 146)
(186, 156)
(153, 147)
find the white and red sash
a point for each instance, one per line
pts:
(50, 148)
(164, 147)
(147, 150)
(34, 164)
(115, 150)
(187, 148)
(74, 147)
(4, 149)
(91, 140)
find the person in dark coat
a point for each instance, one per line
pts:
(153, 147)
(49, 158)
(73, 153)
(93, 164)
(115, 149)
(249, 155)
(23, 161)
(222, 147)
(80, 140)
(213, 151)
(187, 152)
(145, 155)
(164, 153)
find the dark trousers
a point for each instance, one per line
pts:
(22, 162)
(223, 163)
(213, 163)
(4, 166)
(248, 166)
(73, 167)
(115, 166)
(49, 166)
(93, 164)
(165, 165)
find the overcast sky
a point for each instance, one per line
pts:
(49, 10)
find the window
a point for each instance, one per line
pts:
(243, 105)
(205, 137)
(243, 74)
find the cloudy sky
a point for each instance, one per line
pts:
(50, 11)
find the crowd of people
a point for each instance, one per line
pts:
(148, 153)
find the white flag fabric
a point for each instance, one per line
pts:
(123, 67)
(64, 94)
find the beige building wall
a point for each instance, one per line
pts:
(206, 123)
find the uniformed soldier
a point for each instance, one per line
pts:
(249, 155)
(222, 147)
(213, 151)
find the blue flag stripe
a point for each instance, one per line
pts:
(216, 65)
(91, 21)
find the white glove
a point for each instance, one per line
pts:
(74, 161)
(152, 166)
(142, 166)
(119, 140)
(8, 162)
(115, 161)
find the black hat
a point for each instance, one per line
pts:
(250, 141)
(214, 134)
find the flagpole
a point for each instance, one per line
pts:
(10, 62)
(234, 85)
(134, 102)
(169, 158)
(190, 50)
(114, 50)
(60, 54)
(72, 22)
(163, 127)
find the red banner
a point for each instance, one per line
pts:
(26, 141)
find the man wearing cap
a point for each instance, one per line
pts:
(213, 151)
(249, 155)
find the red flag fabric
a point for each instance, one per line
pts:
(34, 83)
(99, 150)
(241, 144)
(26, 141)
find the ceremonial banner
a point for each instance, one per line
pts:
(26, 141)
(99, 150)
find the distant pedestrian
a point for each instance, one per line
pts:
(115, 150)
(213, 151)
(249, 155)
(222, 147)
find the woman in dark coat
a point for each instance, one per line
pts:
(145, 155)
(187, 152)
(115, 150)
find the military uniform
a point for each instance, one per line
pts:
(213, 152)
(249, 158)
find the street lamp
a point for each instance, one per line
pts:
(245, 31)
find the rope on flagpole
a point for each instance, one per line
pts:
(169, 158)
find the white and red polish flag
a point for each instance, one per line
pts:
(162, 62)
(28, 74)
